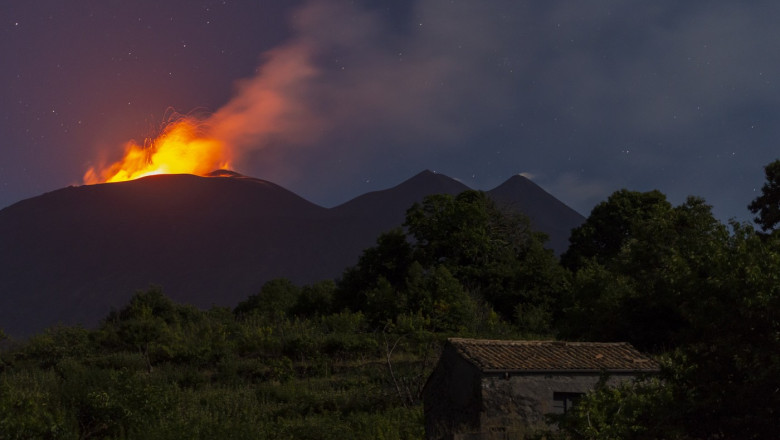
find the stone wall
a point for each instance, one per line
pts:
(514, 405)
(452, 397)
(461, 402)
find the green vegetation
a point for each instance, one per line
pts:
(460, 260)
(767, 205)
(348, 358)
(159, 370)
(702, 295)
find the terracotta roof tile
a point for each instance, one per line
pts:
(553, 355)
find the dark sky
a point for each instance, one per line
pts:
(336, 98)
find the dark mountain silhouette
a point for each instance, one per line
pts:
(70, 255)
(546, 213)
(364, 217)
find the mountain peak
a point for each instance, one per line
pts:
(546, 213)
(517, 182)
(225, 173)
(428, 175)
(433, 182)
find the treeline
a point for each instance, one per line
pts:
(348, 358)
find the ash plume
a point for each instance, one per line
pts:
(344, 77)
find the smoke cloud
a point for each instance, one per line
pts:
(348, 80)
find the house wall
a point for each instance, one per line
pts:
(514, 405)
(461, 402)
(452, 397)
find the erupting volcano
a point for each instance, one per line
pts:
(183, 147)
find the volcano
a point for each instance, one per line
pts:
(71, 255)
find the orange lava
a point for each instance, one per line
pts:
(182, 148)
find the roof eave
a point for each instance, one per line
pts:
(572, 371)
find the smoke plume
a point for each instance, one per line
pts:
(346, 80)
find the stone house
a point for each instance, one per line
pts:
(488, 389)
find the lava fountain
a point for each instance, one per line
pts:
(183, 147)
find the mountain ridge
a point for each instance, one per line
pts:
(72, 254)
(518, 193)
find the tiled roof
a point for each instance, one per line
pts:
(520, 356)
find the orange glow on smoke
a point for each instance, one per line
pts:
(182, 148)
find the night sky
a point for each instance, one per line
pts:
(337, 98)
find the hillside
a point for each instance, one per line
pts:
(546, 213)
(70, 255)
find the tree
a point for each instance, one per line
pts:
(386, 263)
(276, 298)
(611, 224)
(734, 340)
(57, 343)
(721, 379)
(494, 254)
(144, 322)
(767, 205)
(636, 411)
(491, 255)
(634, 292)
(152, 324)
(315, 299)
(436, 294)
(151, 302)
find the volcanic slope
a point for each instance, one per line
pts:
(71, 255)
(546, 213)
